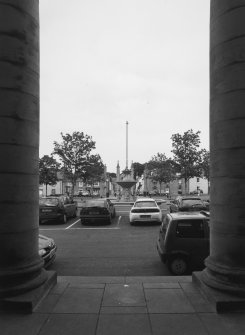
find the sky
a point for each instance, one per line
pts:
(105, 62)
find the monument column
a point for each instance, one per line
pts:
(225, 267)
(21, 268)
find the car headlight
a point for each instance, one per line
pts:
(42, 252)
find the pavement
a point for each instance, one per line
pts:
(124, 306)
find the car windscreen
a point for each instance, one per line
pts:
(190, 229)
(192, 202)
(49, 201)
(145, 204)
(95, 204)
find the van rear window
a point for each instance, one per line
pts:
(190, 229)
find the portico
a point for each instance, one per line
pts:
(20, 266)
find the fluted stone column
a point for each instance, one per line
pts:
(225, 267)
(20, 265)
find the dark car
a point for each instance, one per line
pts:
(58, 208)
(95, 211)
(110, 204)
(183, 241)
(187, 204)
(47, 250)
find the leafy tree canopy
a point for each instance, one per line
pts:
(95, 171)
(186, 154)
(138, 169)
(161, 169)
(75, 154)
(48, 168)
(112, 174)
(205, 163)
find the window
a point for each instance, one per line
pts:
(198, 179)
(145, 204)
(190, 229)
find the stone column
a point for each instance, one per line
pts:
(21, 268)
(225, 267)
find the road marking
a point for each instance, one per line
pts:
(97, 228)
(118, 221)
(52, 228)
(72, 224)
(80, 228)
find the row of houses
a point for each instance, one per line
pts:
(109, 187)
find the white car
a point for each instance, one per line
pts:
(145, 210)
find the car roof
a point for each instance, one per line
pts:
(94, 202)
(187, 215)
(101, 199)
(189, 197)
(145, 199)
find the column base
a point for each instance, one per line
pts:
(223, 277)
(23, 279)
(26, 302)
(223, 300)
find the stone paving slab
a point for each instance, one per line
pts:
(70, 324)
(167, 301)
(135, 324)
(196, 298)
(76, 300)
(23, 324)
(161, 285)
(124, 310)
(177, 324)
(224, 324)
(124, 295)
(85, 280)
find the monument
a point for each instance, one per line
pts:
(127, 180)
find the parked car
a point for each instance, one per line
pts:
(95, 211)
(47, 250)
(163, 204)
(145, 210)
(59, 208)
(110, 203)
(172, 205)
(187, 203)
(183, 241)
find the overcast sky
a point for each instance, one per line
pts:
(105, 62)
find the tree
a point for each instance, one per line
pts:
(74, 153)
(186, 154)
(138, 169)
(205, 165)
(161, 169)
(95, 171)
(48, 168)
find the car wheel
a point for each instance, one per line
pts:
(64, 219)
(178, 265)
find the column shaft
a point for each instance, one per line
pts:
(21, 268)
(225, 267)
